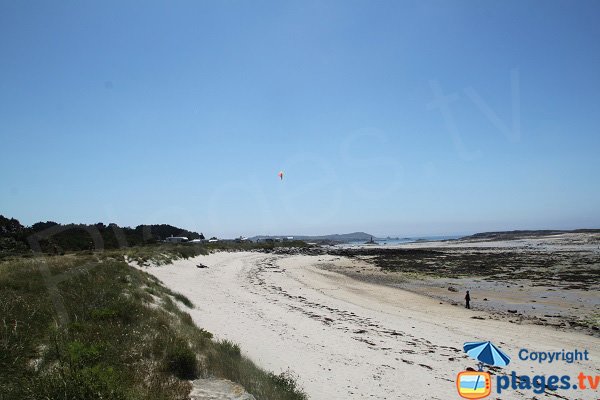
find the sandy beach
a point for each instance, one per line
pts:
(346, 338)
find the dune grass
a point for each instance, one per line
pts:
(166, 253)
(125, 336)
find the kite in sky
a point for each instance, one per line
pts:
(280, 175)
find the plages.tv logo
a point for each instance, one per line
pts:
(474, 384)
(478, 384)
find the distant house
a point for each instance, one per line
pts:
(176, 239)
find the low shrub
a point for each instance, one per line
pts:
(181, 361)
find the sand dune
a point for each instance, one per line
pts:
(347, 339)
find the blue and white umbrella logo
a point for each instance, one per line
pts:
(486, 353)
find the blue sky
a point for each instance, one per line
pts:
(400, 117)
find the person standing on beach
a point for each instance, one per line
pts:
(468, 300)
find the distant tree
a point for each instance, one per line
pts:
(9, 227)
(40, 226)
(74, 237)
(163, 231)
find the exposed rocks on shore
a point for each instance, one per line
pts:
(218, 389)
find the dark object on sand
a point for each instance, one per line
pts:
(468, 300)
(512, 311)
(452, 289)
(201, 266)
(485, 299)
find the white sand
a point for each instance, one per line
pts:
(345, 339)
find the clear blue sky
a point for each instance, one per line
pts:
(399, 117)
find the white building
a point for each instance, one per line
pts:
(176, 239)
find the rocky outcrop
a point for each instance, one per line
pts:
(218, 389)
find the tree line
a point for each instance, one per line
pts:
(52, 237)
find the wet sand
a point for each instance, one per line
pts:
(553, 280)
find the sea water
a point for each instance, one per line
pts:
(391, 241)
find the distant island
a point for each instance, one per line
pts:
(522, 234)
(333, 238)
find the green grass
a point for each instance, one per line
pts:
(126, 337)
(159, 254)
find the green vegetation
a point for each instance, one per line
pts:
(165, 253)
(160, 254)
(143, 243)
(55, 238)
(252, 246)
(589, 321)
(124, 335)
